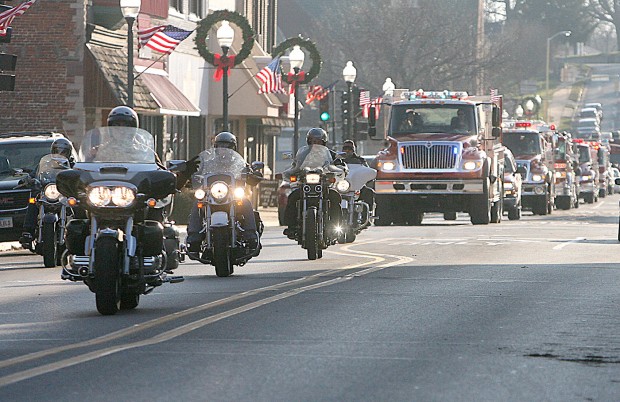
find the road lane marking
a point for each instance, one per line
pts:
(566, 243)
(184, 329)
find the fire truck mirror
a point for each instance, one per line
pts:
(497, 132)
(372, 122)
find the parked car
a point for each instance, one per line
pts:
(616, 175)
(512, 186)
(590, 112)
(20, 153)
(597, 106)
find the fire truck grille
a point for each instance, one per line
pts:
(439, 156)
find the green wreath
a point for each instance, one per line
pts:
(205, 25)
(310, 47)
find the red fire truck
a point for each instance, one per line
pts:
(443, 154)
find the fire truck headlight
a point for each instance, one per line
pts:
(472, 165)
(537, 177)
(388, 165)
(539, 190)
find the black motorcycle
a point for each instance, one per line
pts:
(220, 191)
(356, 214)
(313, 176)
(119, 250)
(53, 212)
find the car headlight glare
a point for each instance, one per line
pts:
(219, 190)
(51, 192)
(343, 186)
(313, 178)
(537, 177)
(239, 193)
(123, 196)
(200, 194)
(99, 196)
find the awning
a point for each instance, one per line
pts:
(170, 99)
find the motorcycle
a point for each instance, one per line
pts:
(220, 191)
(356, 214)
(118, 252)
(53, 212)
(313, 177)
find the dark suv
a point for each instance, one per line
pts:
(20, 153)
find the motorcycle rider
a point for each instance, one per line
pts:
(314, 136)
(367, 194)
(194, 238)
(60, 146)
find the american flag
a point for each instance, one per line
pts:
(376, 103)
(494, 95)
(313, 93)
(162, 38)
(6, 17)
(364, 98)
(271, 77)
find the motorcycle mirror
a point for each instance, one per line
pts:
(174, 163)
(256, 165)
(287, 155)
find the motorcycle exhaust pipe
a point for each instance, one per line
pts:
(83, 271)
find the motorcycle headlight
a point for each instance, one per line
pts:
(200, 194)
(219, 190)
(537, 177)
(99, 196)
(313, 178)
(123, 196)
(51, 192)
(239, 193)
(508, 186)
(343, 186)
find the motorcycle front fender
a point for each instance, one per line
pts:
(219, 219)
(50, 218)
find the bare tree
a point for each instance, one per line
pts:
(607, 11)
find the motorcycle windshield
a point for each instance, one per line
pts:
(313, 157)
(117, 144)
(359, 175)
(221, 161)
(50, 165)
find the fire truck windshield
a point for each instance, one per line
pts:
(584, 154)
(522, 143)
(431, 118)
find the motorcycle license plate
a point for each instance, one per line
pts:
(6, 222)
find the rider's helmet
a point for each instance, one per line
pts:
(62, 146)
(226, 140)
(316, 136)
(123, 116)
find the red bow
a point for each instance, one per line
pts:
(292, 78)
(222, 62)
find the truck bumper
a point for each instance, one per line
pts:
(429, 187)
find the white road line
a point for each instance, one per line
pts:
(561, 246)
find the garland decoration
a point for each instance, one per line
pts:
(307, 45)
(205, 25)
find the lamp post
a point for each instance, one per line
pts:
(567, 34)
(296, 59)
(130, 10)
(349, 73)
(225, 36)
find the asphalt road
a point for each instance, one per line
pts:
(521, 310)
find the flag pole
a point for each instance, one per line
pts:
(151, 65)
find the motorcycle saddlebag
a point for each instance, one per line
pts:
(76, 232)
(150, 235)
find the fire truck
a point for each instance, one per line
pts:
(443, 154)
(531, 142)
(565, 162)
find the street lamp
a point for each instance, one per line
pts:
(296, 59)
(225, 36)
(567, 34)
(130, 10)
(349, 73)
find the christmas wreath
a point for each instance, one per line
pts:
(205, 25)
(307, 45)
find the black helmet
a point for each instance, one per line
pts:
(123, 116)
(225, 140)
(62, 146)
(317, 134)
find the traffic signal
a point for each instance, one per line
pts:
(344, 107)
(325, 115)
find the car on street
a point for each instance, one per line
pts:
(20, 153)
(615, 175)
(512, 186)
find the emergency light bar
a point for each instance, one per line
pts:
(421, 94)
(523, 124)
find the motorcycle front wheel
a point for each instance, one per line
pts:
(48, 249)
(107, 279)
(312, 241)
(222, 258)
